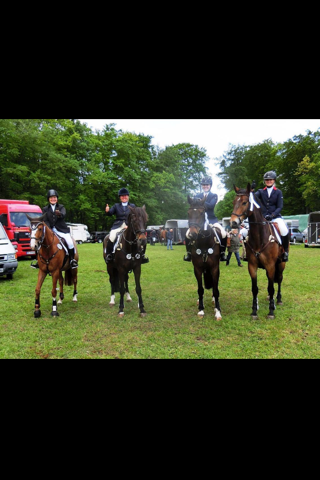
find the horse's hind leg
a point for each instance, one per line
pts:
(272, 306)
(75, 282)
(128, 297)
(198, 275)
(61, 295)
(215, 290)
(41, 276)
(54, 312)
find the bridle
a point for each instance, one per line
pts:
(41, 244)
(251, 202)
(199, 226)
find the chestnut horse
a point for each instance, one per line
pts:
(205, 254)
(130, 245)
(52, 260)
(263, 248)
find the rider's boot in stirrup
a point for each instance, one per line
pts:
(72, 261)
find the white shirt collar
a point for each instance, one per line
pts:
(124, 204)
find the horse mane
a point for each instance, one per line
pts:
(140, 211)
(196, 202)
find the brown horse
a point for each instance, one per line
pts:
(131, 243)
(263, 249)
(52, 260)
(205, 254)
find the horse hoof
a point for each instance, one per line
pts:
(254, 317)
(270, 317)
(121, 314)
(37, 314)
(218, 319)
(143, 314)
(74, 299)
(59, 302)
(111, 304)
(201, 314)
(279, 303)
(54, 314)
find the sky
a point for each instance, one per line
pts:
(214, 135)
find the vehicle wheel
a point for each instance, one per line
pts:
(99, 241)
(9, 276)
(294, 240)
(306, 245)
(79, 242)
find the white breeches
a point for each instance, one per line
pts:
(113, 233)
(282, 226)
(222, 230)
(66, 236)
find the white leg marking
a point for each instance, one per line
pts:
(129, 299)
(201, 313)
(75, 298)
(112, 300)
(217, 314)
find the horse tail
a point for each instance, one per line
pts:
(68, 277)
(115, 281)
(207, 279)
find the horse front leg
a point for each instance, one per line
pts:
(255, 290)
(215, 273)
(122, 292)
(137, 274)
(198, 275)
(61, 295)
(272, 307)
(41, 276)
(55, 277)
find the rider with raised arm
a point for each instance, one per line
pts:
(121, 210)
(211, 200)
(55, 215)
(271, 201)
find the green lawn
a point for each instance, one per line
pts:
(172, 328)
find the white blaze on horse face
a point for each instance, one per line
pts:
(33, 241)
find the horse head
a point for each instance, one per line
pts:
(37, 230)
(138, 219)
(196, 216)
(245, 206)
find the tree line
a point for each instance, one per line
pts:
(87, 168)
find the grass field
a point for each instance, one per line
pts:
(90, 329)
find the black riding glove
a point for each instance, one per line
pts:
(58, 213)
(268, 217)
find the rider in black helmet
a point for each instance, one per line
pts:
(271, 201)
(211, 200)
(55, 215)
(121, 211)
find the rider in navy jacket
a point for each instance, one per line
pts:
(270, 199)
(210, 203)
(121, 210)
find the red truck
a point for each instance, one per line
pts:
(14, 220)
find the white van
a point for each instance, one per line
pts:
(8, 255)
(79, 232)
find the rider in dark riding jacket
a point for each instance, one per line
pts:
(121, 210)
(211, 200)
(271, 201)
(55, 215)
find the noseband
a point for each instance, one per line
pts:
(40, 242)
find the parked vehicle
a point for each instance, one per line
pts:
(98, 237)
(79, 232)
(14, 220)
(8, 255)
(313, 236)
(295, 235)
(155, 237)
(180, 228)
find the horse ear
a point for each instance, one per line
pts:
(236, 189)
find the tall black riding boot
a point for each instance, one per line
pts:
(144, 259)
(72, 261)
(109, 252)
(34, 263)
(285, 244)
(223, 249)
(187, 257)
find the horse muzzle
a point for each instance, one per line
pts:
(192, 233)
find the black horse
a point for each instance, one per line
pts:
(131, 245)
(263, 248)
(205, 254)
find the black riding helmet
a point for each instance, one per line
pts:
(123, 191)
(52, 193)
(206, 181)
(270, 175)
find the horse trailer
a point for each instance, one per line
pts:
(313, 235)
(179, 228)
(79, 232)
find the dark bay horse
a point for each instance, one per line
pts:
(205, 254)
(130, 245)
(263, 249)
(52, 260)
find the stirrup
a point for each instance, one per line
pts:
(73, 263)
(34, 265)
(144, 259)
